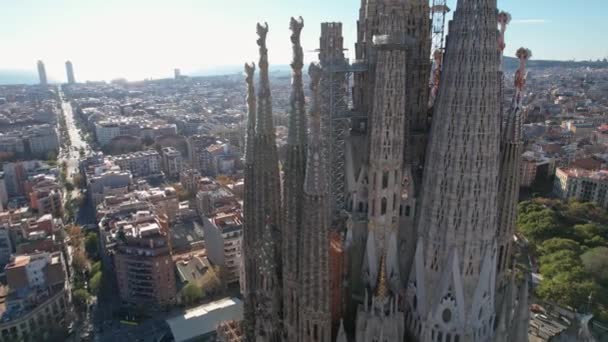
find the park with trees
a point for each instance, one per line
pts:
(568, 242)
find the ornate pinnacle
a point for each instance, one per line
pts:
(314, 183)
(521, 74)
(504, 18)
(264, 123)
(314, 71)
(251, 108)
(514, 123)
(296, 25)
(297, 118)
(262, 31)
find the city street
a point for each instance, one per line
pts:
(72, 154)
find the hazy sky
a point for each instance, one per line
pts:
(148, 38)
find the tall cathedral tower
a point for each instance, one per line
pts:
(250, 236)
(262, 213)
(293, 189)
(389, 129)
(315, 315)
(451, 289)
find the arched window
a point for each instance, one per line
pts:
(383, 206)
(384, 180)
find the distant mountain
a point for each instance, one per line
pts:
(513, 63)
(18, 77)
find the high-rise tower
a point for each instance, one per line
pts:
(315, 314)
(69, 70)
(293, 187)
(42, 73)
(451, 289)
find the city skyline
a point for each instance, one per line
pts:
(134, 40)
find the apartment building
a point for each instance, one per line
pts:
(223, 234)
(144, 266)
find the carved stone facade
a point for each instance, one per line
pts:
(430, 200)
(452, 283)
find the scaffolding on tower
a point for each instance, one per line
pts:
(337, 116)
(439, 10)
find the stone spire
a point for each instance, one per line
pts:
(251, 108)
(266, 204)
(295, 165)
(417, 92)
(249, 230)
(510, 163)
(388, 136)
(297, 117)
(266, 164)
(452, 284)
(264, 123)
(315, 314)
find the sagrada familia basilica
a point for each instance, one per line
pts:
(416, 181)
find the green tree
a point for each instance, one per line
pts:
(595, 262)
(585, 211)
(95, 282)
(91, 245)
(568, 288)
(591, 234)
(554, 263)
(540, 225)
(95, 268)
(191, 293)
(80, 297)
(558, 244)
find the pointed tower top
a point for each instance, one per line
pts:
(264, 124)
(251, 108)
(297, 116)
(514, 121)
(316, 172)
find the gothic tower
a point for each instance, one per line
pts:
(451, 288)
(334, 106)
(249, 234)
(389, 129)
(417, 127)
(510, 163)
(315, 314)
(512, 318)
(295, 165)
(419, 68)
(266, 209)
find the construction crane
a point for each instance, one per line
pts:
(439, 10)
